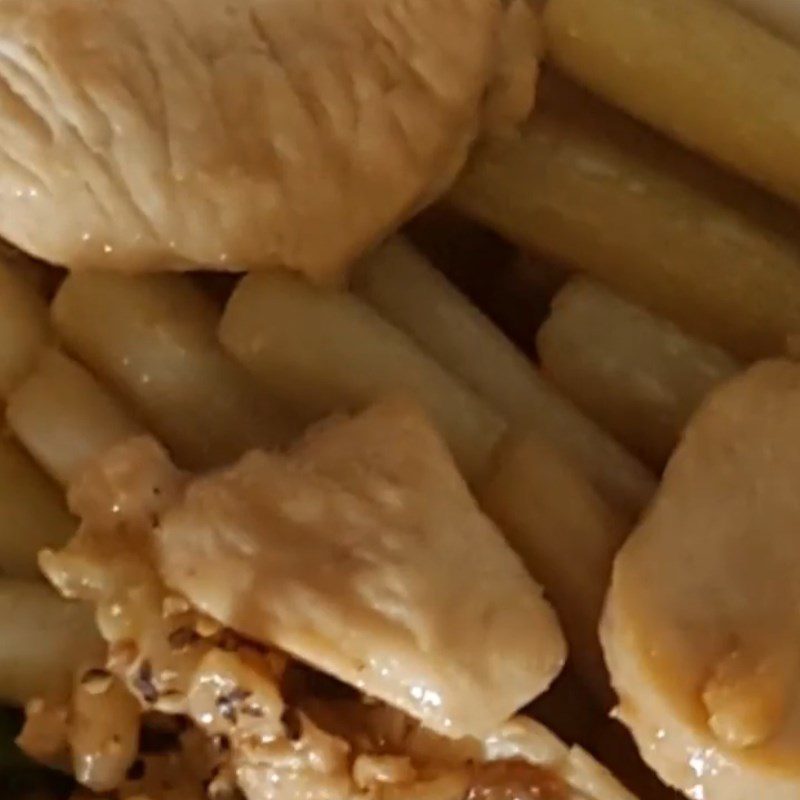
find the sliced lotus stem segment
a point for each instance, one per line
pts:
(24, 328)
(64, 417)
(696, 70)
(566, 535)
(153, 338)
(591, 188)
(635, 373)
(701, 630)
(324, 351)
(403, 286)
(44, 640)
(33, 514)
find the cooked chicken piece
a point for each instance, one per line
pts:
(155, 134)
(702, 627)
(362, 552)
(261, 723)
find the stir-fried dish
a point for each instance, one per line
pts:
(401, 399)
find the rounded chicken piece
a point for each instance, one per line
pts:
(702, 625)
(243, 134)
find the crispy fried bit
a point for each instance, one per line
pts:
(516, 780)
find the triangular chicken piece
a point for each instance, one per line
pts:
(363, 553)
(702, 626)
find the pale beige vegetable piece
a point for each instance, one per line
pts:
(44, 639)
(591, 188)
(403, 286)
(566, 535)
(702, 624)
(696, 70)
(324, 351)
(24, 328)
(153, 338)
(635, 373)
(64, 417)
(33, 514)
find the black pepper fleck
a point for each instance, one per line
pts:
(226, 710)
(143, 682)
(238, 694)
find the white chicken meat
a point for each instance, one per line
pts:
(702, 625)
(243, 134)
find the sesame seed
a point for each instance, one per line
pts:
(206, 626)
(171, 703)
(172, 605)
(96, 681)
